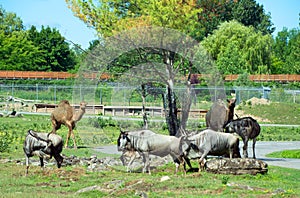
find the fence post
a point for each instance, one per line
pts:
(100, 95)
(55, 94)
(37, 91)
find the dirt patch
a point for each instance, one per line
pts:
(258, 101)
(252, 102)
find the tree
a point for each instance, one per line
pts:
(250, 13)
(251, 50)
(247, 12)
(110, 18)
(16, 52)
(286, 49)
(56, 51)
(9, 22)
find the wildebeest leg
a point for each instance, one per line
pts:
(187, 160)
(42, 162)
(202, 160)
(177, 161)
(245, 147)
(59, 159)
(146, 162)
(132, 158)
(253, 148)
(27, 164)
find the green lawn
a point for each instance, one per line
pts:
(285, 154)
(116, 182)
(65, 182)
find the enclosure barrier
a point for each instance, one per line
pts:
(5, 74)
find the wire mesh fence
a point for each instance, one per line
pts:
(116, 95)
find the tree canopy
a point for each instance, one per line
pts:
(286, 52)
(237, 48)
(32, 50)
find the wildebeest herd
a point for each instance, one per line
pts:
(186, 146)
(221, 138)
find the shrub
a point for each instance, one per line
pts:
(5, 140)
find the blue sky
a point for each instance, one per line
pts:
(55, 13)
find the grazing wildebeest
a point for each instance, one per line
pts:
(155, 144)
(209, 142)
(132, 154)
(219, 114)
(247, 128)
(41, 145)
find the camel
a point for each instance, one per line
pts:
(220, 114)
(66, 115)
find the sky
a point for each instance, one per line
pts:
(56, 14)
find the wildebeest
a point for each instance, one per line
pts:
(132, 154)
(41, 145)
(155, 144)
(247, 128)
(209, 142)
(219, 114)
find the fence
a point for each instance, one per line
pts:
(128, 96)
(6, 74)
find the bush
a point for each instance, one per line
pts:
(5, 140)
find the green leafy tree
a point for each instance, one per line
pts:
(251, 50)
(247, 12)
(286, 49)
(56, 51)
(16, 51)
(250, 13)
(231, 61)
(9, 22)
(112, 17)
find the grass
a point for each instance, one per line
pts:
(286, 154)
(116, 182)
(67, 181)
(278, 113)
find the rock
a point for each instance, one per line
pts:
(164, 178)
(237, 166)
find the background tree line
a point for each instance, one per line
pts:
(237, 33)
(33, 50)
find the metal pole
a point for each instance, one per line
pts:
(55, 94)
(37, 91)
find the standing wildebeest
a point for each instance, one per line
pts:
(247, 128)
(219, 114)
(41, 145)
(156, 144)
(209, 142)
(132, 154)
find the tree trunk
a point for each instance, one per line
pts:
(186, 106)
(171, 113)
(144, 113)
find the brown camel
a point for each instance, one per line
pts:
(220, 114)
(66, 115)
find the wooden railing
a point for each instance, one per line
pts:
(64, 75)
(45, 75)
(268, 77)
